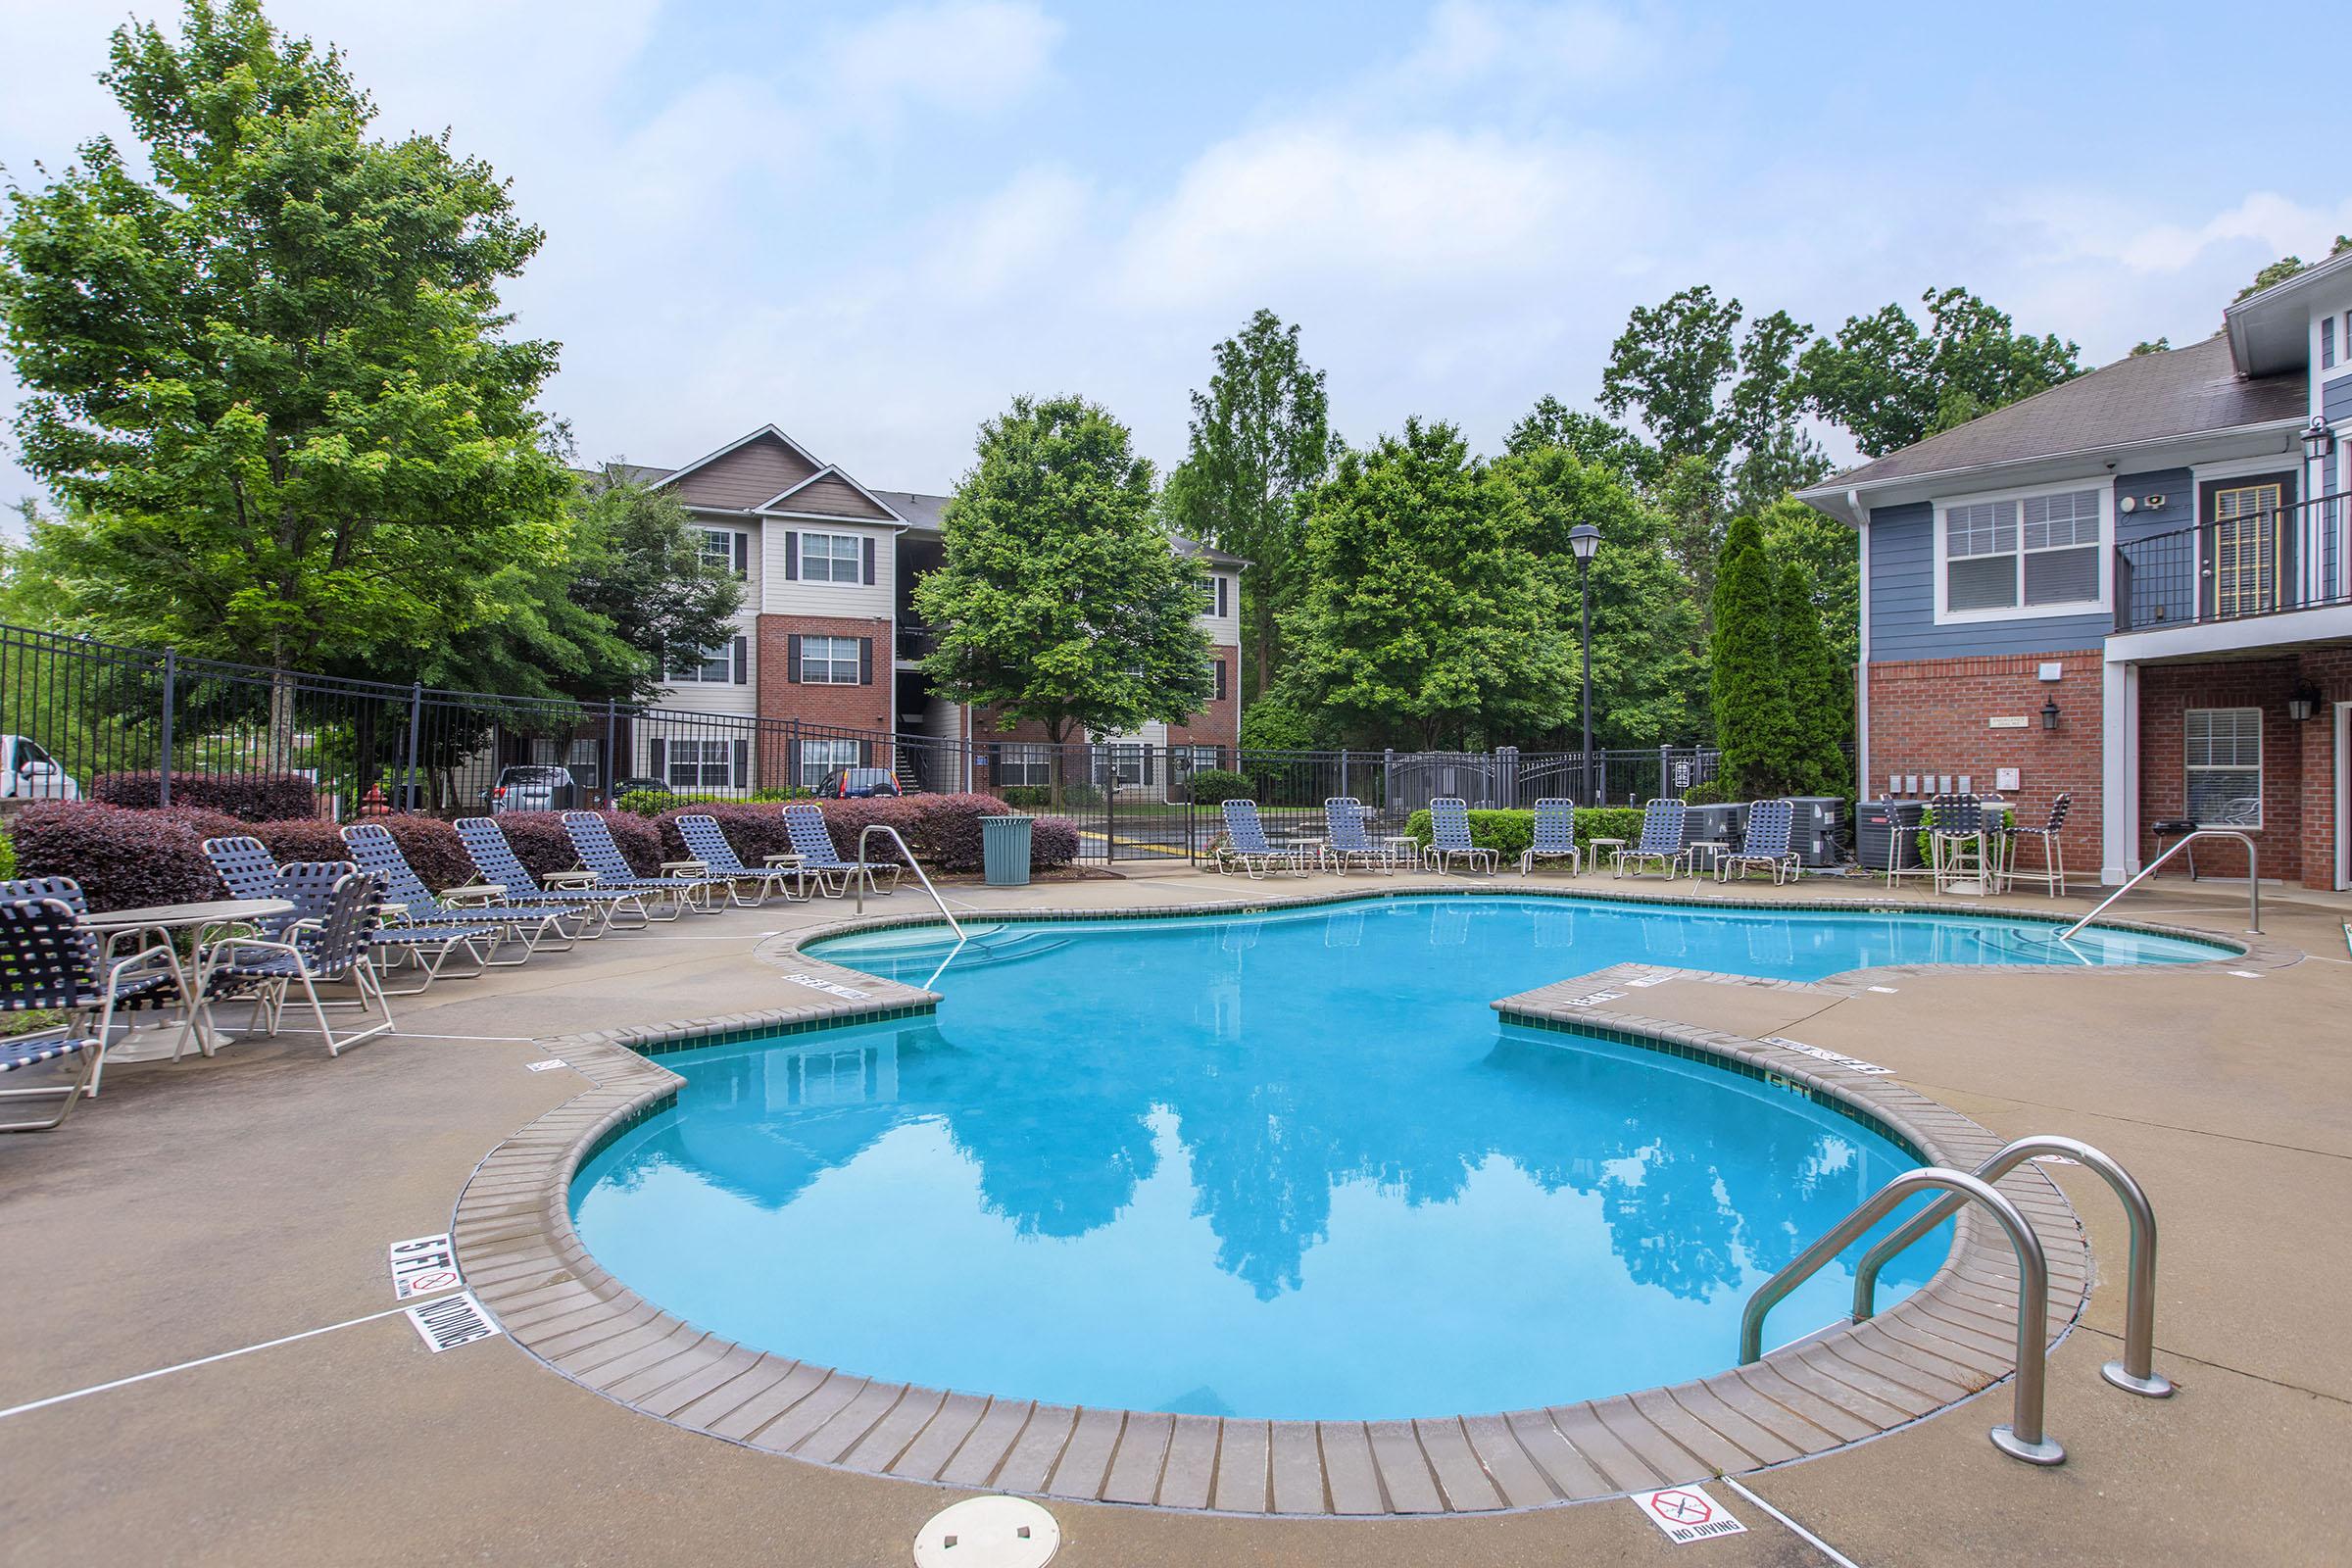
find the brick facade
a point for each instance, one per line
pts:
(863, 707)
(1220, 723)
(2297, 837)
(1931, 716)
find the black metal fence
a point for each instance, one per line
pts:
(141, 727)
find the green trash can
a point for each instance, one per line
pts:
(1004, 849)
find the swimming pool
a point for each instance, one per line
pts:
(1288, 1165)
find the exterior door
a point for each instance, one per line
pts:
(2247, 551)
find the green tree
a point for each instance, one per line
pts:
(1060, 599)
(1261, 438)
(1888, 383)
(2146, 346)
(1765, 411)
(1830, 553)
(1821, 691)
(269, 386)
(1755, 720)
(1648, 657)
(1589, 437)
(2286, 266)
(1673, 363)
(1426, 611)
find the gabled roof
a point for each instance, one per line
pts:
(1209, 552)
(782, 500)
(2270, 333)
(767, 430)
(2150, 397)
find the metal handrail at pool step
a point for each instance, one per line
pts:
(914, 865)
(2023, 1438)
(2253, 878)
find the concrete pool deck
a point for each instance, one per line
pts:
(199, 1209)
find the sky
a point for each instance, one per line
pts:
(872, 225)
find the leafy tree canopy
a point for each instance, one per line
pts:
(1427, 612)
(2286, 266)
(1830, 553)
(1260, 437)
(2161, 345)
(1060, 599)
(269, 386)
(1889, 382)
(1587, 437)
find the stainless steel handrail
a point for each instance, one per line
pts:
(865, 876)
(2023, 1438)
(2135, 1373)
(2253, 878)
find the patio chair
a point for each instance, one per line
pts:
(337, 910)
(1555, 837)
(1449, 837)
(246, 865)
(16, 1056)
(1343, 839)
(2053, 850)
(593, 842)
(95, 980)
(1661, 841)
(1957, 841)
(812, 842)
(706, 843)
(1246, 845)
(497, 865)
(532, 926)
(1766, 844)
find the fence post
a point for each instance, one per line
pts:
(162, 788)
(408, 783)
(612, 752)
(1387, 779)
(1665, 771)
(1343, 770)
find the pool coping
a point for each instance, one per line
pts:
(1943, 1344)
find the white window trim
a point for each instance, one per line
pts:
(2262, 762)
(726, 656)
(2247, 467)
(2104, 605)
(799, 673)
(856, 577)
(812, 771)
(730, 536)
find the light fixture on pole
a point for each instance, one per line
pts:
(1583, 540)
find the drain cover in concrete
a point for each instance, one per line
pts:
(987, 1532)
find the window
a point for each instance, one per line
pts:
(717, 666)
(701, 764)
(724, 549)
(828, 660)
(1186, 761)
(1023, 765)
(1125, 763)
(820, 758)
(2225, 766)
(832, 558)
(2038, 553)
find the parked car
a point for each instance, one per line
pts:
(858, 783)
(534, 789)
(28, 773)
(643, 784)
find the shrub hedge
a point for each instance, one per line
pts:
(1214, 785)
(248, 797)
(1508, 833)
(123, 858)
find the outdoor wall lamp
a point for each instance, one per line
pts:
(2317, 439)
(2304, 703)
(2049, 714)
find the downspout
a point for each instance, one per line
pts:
(1853, 500)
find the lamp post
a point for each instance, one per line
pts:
(1583, 539)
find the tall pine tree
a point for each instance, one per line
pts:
(1819, 692)
(1755, 721)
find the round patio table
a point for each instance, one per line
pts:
(161, 922)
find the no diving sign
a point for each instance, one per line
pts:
(452, 1321)
(1687, 1514)
(423, 1266)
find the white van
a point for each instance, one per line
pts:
(28, 773)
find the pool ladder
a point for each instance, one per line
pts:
(913, 864)
(2023, 1437)
(2253, 878)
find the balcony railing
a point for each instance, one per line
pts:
(916, 641)
(2267, 561)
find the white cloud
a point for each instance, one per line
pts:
(1584, 45)
(963, 55)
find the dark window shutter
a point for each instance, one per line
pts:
(654, 749)
(743, 662)
(995, 757)
(1220, 669)
(866, 753)
(792, 659)
(742, 554)
(792, 556)
(866, 660)
(743, 764)
(1147, 764)
(870, 563)
(1220, 597)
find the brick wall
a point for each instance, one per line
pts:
(863, 707)
(1930, 715)
(2297, 836)
(1220, 723)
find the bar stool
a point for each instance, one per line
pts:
(2053, 851)
(1957, 821)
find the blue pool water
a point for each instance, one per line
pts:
(1287, 1166)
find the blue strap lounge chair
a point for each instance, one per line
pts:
(533, 927)
(1765, 844)
(1246, 845)
(1449, 837)
(337, 910)
(246, 865)
(1555, 837)
(1344, 841)
(707, 843)
(497, 865)
(63, 966)
(1661, 843)
(18, 1056)
(593, 842)
(812, 842)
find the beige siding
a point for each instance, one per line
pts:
(782, 596)
(751, 474)
(1223, 630)
(834, 498)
